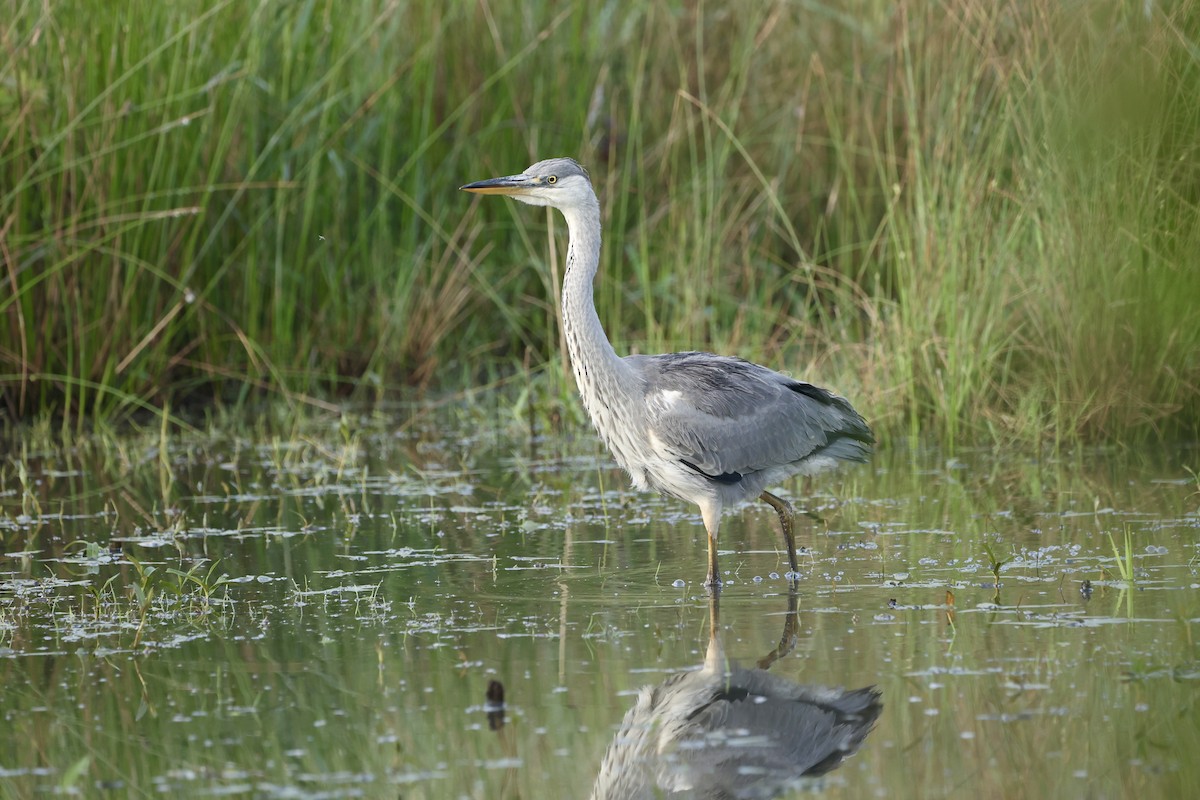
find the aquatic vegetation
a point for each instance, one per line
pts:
(980, 218)
(1123, 557)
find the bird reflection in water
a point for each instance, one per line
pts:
(729, 732)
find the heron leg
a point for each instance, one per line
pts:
(711, 513)
(787, 516)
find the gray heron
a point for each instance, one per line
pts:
(708, 429)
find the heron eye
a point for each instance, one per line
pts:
(552, 179)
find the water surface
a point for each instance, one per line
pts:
(322, 615)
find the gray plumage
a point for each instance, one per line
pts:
(708, 429)
(728, 420)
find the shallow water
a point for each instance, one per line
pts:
(323, 616)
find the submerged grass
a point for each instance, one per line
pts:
(978, 220)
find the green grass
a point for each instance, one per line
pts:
(979, 221)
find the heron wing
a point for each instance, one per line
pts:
(726, 417)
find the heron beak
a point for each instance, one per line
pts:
(509, 185)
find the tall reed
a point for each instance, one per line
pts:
(979, 220)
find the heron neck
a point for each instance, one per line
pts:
(597, 367)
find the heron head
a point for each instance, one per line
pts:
(557, 182)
